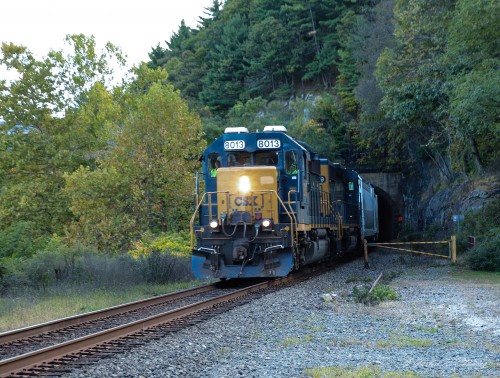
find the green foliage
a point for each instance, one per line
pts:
(379, 294)
(486, 254)
(175, 244)
(98, 200)
(17, 240)
(440, 85)
(404, 342)
(59, 265)
(474, 91)
(414, 81)
(252, 49)
(144, 182)
(483, 225)
(37, 142)
(480, 222)
(224, 81)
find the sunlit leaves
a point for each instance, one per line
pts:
(45, 133)
(145, 179)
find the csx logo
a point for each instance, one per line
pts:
(246, 201)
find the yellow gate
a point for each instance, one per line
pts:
(412, 247)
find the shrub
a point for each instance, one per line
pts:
(379, 294)
(14, 275)
(176, 244)
(163, 261)
(160, 267)
(100, 270)
(483, 225)
(486, 254)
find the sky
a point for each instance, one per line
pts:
(133, 25)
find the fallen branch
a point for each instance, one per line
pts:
(376, 282)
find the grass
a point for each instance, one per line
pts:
(404, 341)
(479, 277)
(361, 372)
(35, 308)
(294, 341)
(428, 330)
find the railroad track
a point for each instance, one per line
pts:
(184, 309)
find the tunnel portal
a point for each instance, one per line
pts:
(390, 202)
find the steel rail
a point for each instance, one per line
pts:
(26, 361)
(38, 329)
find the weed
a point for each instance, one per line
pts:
(362, 372)
(222, 352)
(428, 330)
(379, 294)
(404, 341)
(294, 341)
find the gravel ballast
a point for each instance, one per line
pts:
(441, 326)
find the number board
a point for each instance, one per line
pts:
(268, 143)
(234, 145)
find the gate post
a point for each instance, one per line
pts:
(453, 248)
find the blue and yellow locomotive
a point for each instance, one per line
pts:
(272, 205)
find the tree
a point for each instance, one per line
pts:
(225, 78)
(370, 35)
(37, 140)
(474, 88)
(267, 53)
(414, 82)
(145, 181)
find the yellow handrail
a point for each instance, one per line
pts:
(293, 220)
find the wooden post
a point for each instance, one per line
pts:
(453, 248)
(365, 247)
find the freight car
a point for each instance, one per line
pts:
(271, 205)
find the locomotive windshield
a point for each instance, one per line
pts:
(245, 159)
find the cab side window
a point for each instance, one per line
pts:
(291, 162)
(214, 163)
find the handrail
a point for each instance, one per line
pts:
(191, 222)
(290, 204)
(293, 219)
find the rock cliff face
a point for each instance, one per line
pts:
(430, 202)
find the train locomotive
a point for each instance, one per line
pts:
(272, 205)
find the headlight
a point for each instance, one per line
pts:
(244, 184)
(214, 223)
(266, 223)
